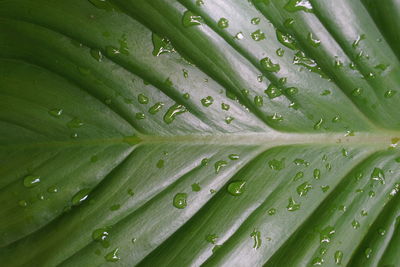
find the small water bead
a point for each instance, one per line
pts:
(225, 106)
(276, 117)
(364, 213)
(338, 256)
(280, 52)
(96, 54)
(52, 189)
(299, 162)
(75, 123)
(255, 21)
(101, 235)
(156, 108)
(271, 211)
(161, 45)
(288, 23)
(207, 101)
(292, 205)
(236, 188)
(139, 116)
(239, 36)
(23, 203)
(112, 51)
(112, 256)
(286, 40)
(258, 35)
(378, 175)
(302, 190)
(172, 112)
(326, 234)
(204, 162)
(273, 91)
(233, 157)
(258, 101)
(318, 124)
(357, 92)
(211, 238)
(298, 176)
(199, 2)
(223, 23)
(268, 65)
(356, 43)
(338, 64)
(317, 261)
(277, 165)
(80, 196)
(355, 224)
(390, 93)
(160, 164)
(229, 119)
(317, 174)
(245, 92)
(142, 99)
(381, 231)
(368, 253)
(40, 196)
(31, 181)
(191, 19)
(219, 164)
(180, 201)
(56, 112)
(256, 235)
(186, 96)
(196, 187)
(314, 42)
(291, 91)
(336, 119)
(325, 188)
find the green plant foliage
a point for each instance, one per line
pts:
(199, 132)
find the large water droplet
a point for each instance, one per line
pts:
(268, 65)
(81, 196)
(236, 188)
(256, 235)
(180, 201)
(191, 19)
(31, 181)
(112, 256)
(172, 112)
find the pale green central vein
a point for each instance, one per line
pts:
(379, 139)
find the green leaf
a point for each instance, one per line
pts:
(199, 132)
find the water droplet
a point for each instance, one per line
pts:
(276, 117)
(317, 174)
(101, 235)
(258, 101)
(299, 162)
(357, 92)
(190, 19)
(358, 40)
(390, 93)
(297, 5)
(280, 52)
(96, 54)
(325, 188)
(225, 106)
(318, 124)
(298, 176)
(142, 99)
(229, 119)
(326, 234)
(255, 21)
(112, 256)
(161, 45)
(302, 60)
(239, 36)
(291, 91)
(277, 165)
(258, 35)
(338, 256)
(355, 224)
(212, 238)
(368, 253)
(196, 187)
(286, 40)
(223, 23)
(204, 162)
(272, 91)
(371, 194)
(303, 189)
(75, 123)
(139, 116)
(22, 203)
(179, 201)
(156, 108)
(31, 181)
(381, 231)
(288, 23)
(236, 188)
(293, 205)
(317, 261)
(112, 51)
(160, 164)
(56, 112)
(378, 175)
(314, 42)
(233, 157)
(81, 196)
(268, 65)
(207, 101)
(219, 164)
(172, 112)
(256, 235)
(52, 189)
